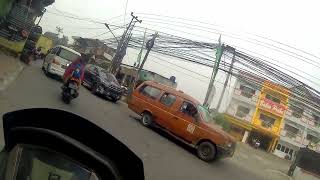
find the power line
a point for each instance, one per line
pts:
(72, 17)
(225, 34)
(248, 62)
(105, 32)
(263, 44)
(206, 23)
(298, 75)
(77, 16)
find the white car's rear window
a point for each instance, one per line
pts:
(67, 55)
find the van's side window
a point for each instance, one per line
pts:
(188, 109)
(150, 91)
(168, 99)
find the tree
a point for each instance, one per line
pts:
(221, 121)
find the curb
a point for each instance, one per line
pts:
(271, 174)
(10, 77)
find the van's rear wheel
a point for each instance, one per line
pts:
(207, 151)
(146, 119)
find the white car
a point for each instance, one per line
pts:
(58, 60)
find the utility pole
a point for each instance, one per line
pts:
(149, 46)
(41, 17)
(137, 64)
(210, 91)
(122, 45)
(228, 76)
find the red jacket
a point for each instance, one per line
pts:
(72, 67)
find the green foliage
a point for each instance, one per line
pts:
(220, 120)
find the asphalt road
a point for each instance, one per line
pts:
(163, 157)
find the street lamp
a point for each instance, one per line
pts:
(111, 32)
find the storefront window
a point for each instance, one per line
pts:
(290, 152)
(291, 131)
(287, 150)
(278, 146)
(316, 119)
(272, 98)
(242, 111)
(296, 111)
(266, 121)
(312, 138)
(282, 148)
(247, 91)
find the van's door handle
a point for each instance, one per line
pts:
(175, 118)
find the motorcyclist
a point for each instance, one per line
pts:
(80, 64)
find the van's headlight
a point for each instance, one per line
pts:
(228, 144)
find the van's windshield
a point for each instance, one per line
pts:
(204, 112)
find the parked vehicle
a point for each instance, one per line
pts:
(305, 165)
(102, 82)
(183, 117)
(58, 59)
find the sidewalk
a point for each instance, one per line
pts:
(264, 164)
(10, 67)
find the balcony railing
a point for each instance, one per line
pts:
(233, 113)
(304, 119)
(291, 136)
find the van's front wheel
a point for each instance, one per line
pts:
(207, 151)
(146, 119)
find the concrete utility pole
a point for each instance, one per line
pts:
(122, 45)
(41, 17)
(149, 46)
(210, 92)
(228, 76)
(137, 64)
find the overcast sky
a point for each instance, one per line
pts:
(290, 22)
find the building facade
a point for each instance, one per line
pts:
(270, 114)
(301, 129)
(257, 113)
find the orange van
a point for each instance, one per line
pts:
(183, 117)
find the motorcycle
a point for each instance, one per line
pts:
(58, 148)
(70, 90)
(256, 143)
